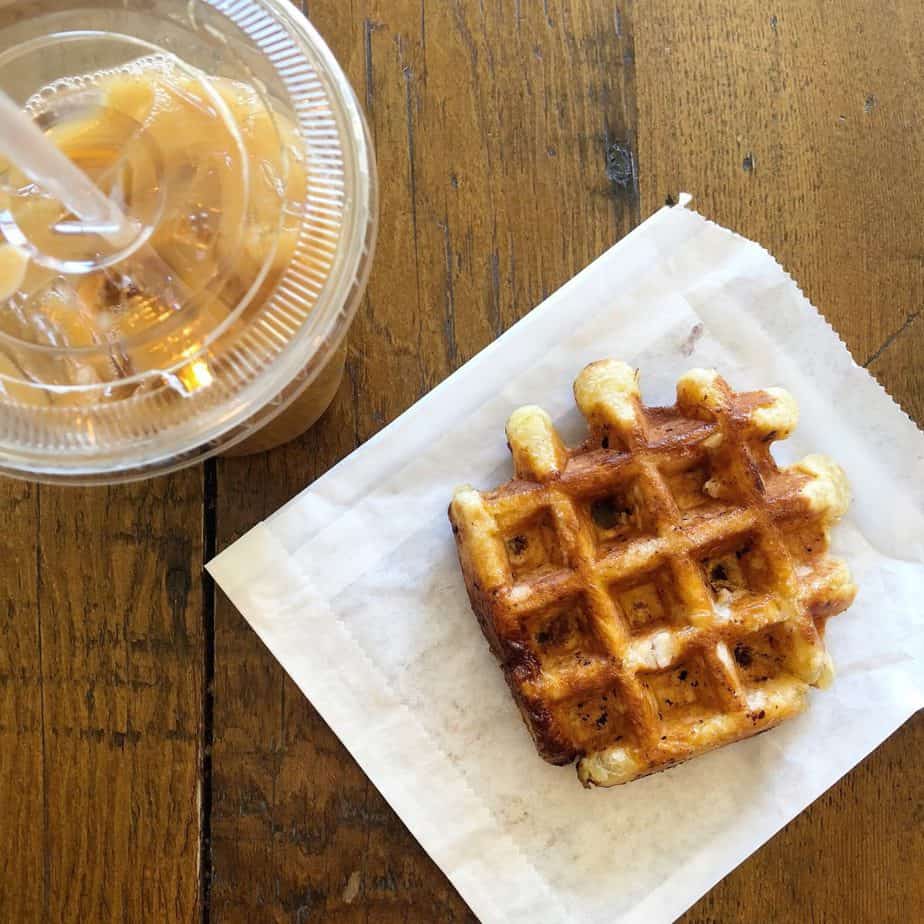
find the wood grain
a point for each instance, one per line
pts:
(100, 683)
(799, 125)
(22, 882)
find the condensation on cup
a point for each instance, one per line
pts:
(226, 134)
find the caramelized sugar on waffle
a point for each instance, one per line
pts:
(662, 589)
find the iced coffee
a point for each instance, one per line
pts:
(221, 292)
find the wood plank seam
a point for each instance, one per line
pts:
(209, 538)
(46, 848)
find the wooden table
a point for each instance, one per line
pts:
(155, 762)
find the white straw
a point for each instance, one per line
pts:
(23, 143)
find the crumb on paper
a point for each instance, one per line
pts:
(689, 343)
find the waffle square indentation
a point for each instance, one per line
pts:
(618, 516)
(684, 692)
(648, 602)
(533, 547)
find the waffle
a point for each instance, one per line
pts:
(662, 589)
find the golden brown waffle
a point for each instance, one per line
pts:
(662, 589)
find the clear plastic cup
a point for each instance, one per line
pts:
(231, 140)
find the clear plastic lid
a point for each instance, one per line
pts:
(231, 141)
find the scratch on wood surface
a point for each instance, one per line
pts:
(548, 17)
(352, 887)
(468, 39)
(368, 28)
(893, 336)
(495, 294)
(449, 321)
(408, 75)
(177, 583)
(629, 115)
(353, 371)
(46, 833)
(513, 265)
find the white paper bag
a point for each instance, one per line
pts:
(355, 587)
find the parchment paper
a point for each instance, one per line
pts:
(355, 587)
